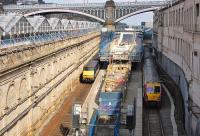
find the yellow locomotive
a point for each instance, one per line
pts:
(151, 82)
(90, 71)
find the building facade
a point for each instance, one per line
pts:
(177, 39)
(6, 2)
(1, 6)
(27, 2)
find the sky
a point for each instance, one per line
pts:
(134, 20)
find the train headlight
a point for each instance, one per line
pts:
(145, 97)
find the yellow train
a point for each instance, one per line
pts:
(90, 71)
(152, 90)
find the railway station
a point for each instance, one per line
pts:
(88, 68)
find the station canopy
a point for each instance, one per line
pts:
(65, 23)
(14, 24)
(39, 23)
(55, 23)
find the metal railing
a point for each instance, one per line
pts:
(46, 6)
(43, 38)
(133, 57)
(77, 5)
(155, 3)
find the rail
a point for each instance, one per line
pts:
(155, 127)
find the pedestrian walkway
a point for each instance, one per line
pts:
(134, 84)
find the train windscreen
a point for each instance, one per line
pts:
(157, 89)
(88, 69)
(128, 38)
(149, 90)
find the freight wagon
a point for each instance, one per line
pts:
(114, 85)
(111, 97)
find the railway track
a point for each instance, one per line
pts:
(178, 100)
(155, 126)
(157, 122)
(61, 123)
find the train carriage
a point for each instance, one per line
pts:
(151, 81)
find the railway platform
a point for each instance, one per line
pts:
(139, 113)
(134, 85)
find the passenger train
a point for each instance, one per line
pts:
(151, 82)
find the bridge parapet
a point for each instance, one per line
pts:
(86, 5)
(140, 3)
(43, 6)
(95, 9)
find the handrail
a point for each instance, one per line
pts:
(43, 38)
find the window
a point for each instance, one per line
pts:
(197, 9)
(88, 69)
(195, 53)
(199, 68)
(157, 89)
(149, 90)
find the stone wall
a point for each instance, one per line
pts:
(34, 81)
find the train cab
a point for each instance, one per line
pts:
(152, 93)
(90, 71)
